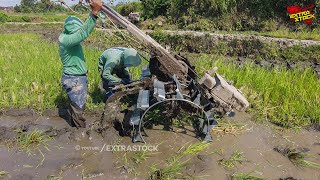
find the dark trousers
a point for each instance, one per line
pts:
(76, 88)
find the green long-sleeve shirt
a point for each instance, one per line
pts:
(70, 49)
(110, 63)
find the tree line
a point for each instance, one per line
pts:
(215, 14)
(197, 14)
(42, 6)
(175, 9)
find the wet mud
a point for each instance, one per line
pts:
(76, 154)
(61, 158)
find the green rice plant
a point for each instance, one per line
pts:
(31, 75)
(228, 128)
(141, 156)
(242, 176)
(289, 98)
(177, 163)
(302, 162)
(30, 78)
(298, 158)
(236, 158)
(33, 140)
(172, 168)
(3, 174)
(128, 166)
(195, 148)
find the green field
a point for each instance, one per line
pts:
(40, 17)
(31, 72)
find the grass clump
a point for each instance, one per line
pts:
(195, 148)
(3, 174)
(242, 176)
(3, 17)
(237, 157)
(177, 163)
(224, 128)
(131, 161)
(141, 156)
(298, 158)
(172, 168)
(32, 140)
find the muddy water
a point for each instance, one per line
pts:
(68, 156)
(258, 143)
(62, 158)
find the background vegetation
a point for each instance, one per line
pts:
(126, 8)
(205, 15)
(238, 15)
(30, 17)
(42, 6)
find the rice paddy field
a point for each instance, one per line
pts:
(272, 140)
(31, 72)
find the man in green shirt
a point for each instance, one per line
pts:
(74, 77)
(113, 67)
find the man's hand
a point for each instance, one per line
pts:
(96, 6)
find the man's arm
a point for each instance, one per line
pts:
(107, 76)
(76, 38)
